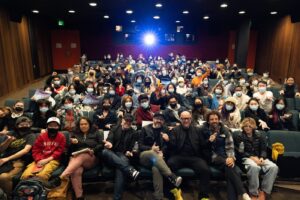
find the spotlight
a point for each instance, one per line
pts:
(35, 11)
(242, 12)
(273, 12)
(129, 12)
(149, 39)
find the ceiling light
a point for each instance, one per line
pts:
(129, 12)
(132, 21)
(35, 11)
(185, 12)
(224, 5)
(158, 5)
(71, 11)
(177, 21)
(156, 17)
(106, 17)
(206, 17)
(93, 4)
(242, 12)
(273, 12)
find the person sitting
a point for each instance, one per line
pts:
(231, 115)
(119, 152)
(105, 117)
(153, 145)
(204, 89)
(187, 148)
(254, 111)
(4, 115)
(115, 100)
(241, 98)
(279, 117)
(199, 112)
(47, 152)
(86, 138)
(172, 111)
(41, 116)
(79, 86)
(127, 107)
(221, 145)
(158, 97)
(197, 80)
(58, 86)
(181, 87)
(264, 97)
(68, 114)
(120, 89)
(145, 111)
(17, 111)
(14, 152)
(290, 89)
(253, 150)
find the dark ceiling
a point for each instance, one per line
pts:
(144, 10)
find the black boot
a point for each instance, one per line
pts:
(175, 180)
(53, 183)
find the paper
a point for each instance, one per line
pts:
(145, 123)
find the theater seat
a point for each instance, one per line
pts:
(10, 102)
(290, 103)
(297, 104)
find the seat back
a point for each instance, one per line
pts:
(290, 139)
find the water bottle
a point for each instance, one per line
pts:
(241, 147)
(135, 148)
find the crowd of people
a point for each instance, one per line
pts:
(161, 113)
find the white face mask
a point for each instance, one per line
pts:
(181, 84)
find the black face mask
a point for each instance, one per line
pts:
(106, 107)
(24, 130)
(117, 83)
(130, 92)
(173, 105)
(19, 109)
(91, 74)
(77, 82)
(52, 132)
(147, 84)
(197, 106)
(100, 83)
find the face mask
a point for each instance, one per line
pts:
(139, 80)
(228, 107)
(106, 107)
(250, 74)
(182, 68)
(130, 92)
(262, 89)
(24, 130)
(72, 91)
(218, 91)
(265, 75)
(70, 73)
(205, 82)
(280, 106)
(128, 104)
(52, 132)
(181, 84)
(254, 82)
(117, 83)
(76, 82)
(145, 104)
(19, 109)
(191, 70)
(238, 94)
(242, 81)
(171, 90)
(91, 74)
(44, 109)
(164, 73)
(112, 92)
(173, 105)
(199, 74)
(56, 82)
(68, 106)
(197, 106)
(174, 81)
(90, 90)
(253, 107)
(147, 83)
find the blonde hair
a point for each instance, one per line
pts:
(248, 121)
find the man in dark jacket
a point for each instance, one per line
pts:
(120, 149)
(153, 145)
(188, 149)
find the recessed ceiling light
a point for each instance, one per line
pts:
(224, 5)
(93, 4)
(129, 12)
(273, 12)
(156, 17)
(185, 12)
(206, 17)
(158, 5)
(71, 11)
(35, 11)
(242, 12)
(177, 21)
(132, 21)
(106, 17)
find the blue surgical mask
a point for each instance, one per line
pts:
(128, 104)
(228, 107)
(68, 106)
(139, 80)
(253, 107)
(145, 104)
(112, 92)
(218, 91)
(280, 106)
(72, 91)
(90, 90)
(238, 93)
(262, 89)
(44, 109)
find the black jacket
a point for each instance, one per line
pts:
(111, 118)
(170, 118)
(177, 139)
(129, 139)
(260, 114)
(39, 121)
(255, 147)
(93, 140)
(146, 139)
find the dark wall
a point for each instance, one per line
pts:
(278, 49)
(208, 46)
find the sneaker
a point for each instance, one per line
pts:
(175, 180)
(133, 173)
(245, 196)
(177, 194)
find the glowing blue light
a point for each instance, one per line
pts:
(149, 39)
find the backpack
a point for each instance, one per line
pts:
(30, 189)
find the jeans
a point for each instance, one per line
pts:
(198, 165)
(159, 167)
(121, 163)
(269, 170)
